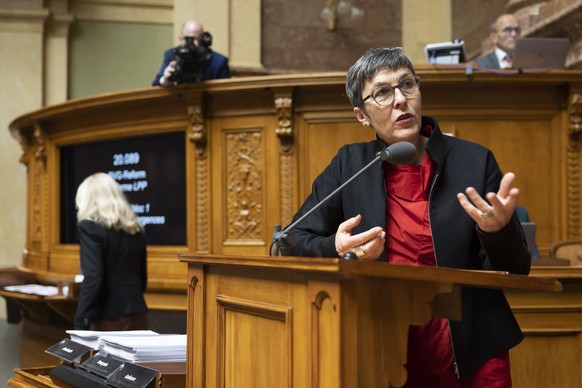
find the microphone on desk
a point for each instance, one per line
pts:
(397, 153)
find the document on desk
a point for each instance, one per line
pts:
(91, 337)
(160, 348)
(33, 289)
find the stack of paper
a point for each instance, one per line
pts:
(34, 289)
(159, 348)
(91, 337)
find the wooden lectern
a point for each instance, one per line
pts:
(311, 322)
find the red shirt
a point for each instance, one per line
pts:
(409, 242)
(408, 237)
(430, 359)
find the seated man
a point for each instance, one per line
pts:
(504, 33)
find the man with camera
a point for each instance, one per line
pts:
(193, 60)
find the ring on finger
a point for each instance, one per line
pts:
(359, 251)
(486, 214)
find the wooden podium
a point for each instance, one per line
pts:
(308, 322)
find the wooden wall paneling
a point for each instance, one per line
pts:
(322, 135)
(326, 308)
(539, 362)
(522, 125)
(261, 329)
(167, 301)
(528, 145)
(245, 177)
(240, 188)
(550, 354)
(65, 261)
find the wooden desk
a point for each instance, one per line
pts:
(306, 322)
(43, 319)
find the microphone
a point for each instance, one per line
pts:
(397, 153)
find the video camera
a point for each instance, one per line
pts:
(189, 59)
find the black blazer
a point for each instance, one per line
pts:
(114, 265)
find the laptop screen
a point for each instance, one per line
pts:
(540, 53)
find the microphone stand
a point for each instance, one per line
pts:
(397, 153)
(281, 239)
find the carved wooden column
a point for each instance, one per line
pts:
(286, 133)
(574, 228)
(198, 134)
(34, 157)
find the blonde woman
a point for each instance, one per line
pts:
(113, 258)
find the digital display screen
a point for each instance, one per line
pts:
(151, 171)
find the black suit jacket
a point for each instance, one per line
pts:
(114, 265)
(488, 61)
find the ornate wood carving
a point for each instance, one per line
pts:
(287, 190)
(286, 134)
(573, 166)
(198, 135)
(24, 144)
(37, 207)
(203, 226)
(193, 283)
(283, 107)
(244, 185)
(39, 140)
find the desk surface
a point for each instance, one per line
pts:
(378, 269)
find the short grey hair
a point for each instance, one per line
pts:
(370, 63)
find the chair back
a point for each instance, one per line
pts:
(568, 249)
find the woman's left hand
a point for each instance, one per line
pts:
(493, 214)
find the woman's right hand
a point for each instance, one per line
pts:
(367, 245)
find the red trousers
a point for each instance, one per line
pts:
(430, 361)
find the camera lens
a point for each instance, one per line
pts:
(205, 39)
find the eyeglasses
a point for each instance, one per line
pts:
(509, 30)
(384, 95)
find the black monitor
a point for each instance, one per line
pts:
(151, 171)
